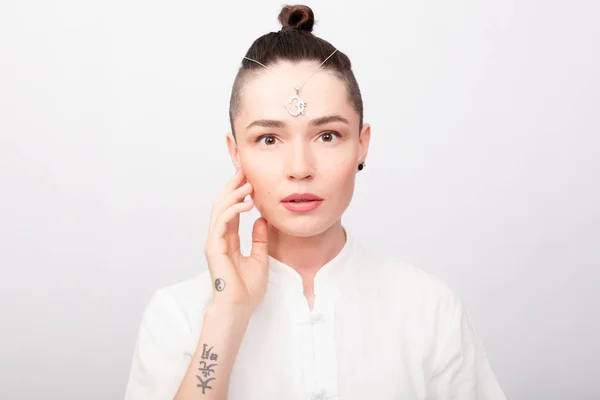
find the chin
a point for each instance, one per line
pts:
(300, 225)
(302, 229)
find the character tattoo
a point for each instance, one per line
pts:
(206, 369)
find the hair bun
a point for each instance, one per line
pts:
(299, 17)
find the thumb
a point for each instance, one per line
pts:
(260, 240)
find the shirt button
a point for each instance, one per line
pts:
(315, 316)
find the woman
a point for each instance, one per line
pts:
(309, 313)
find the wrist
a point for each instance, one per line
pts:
(228, 312)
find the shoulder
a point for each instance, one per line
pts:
(181, 304)
(387, 271)
(196, 290)
(408, 301)
(416, 299)
(167, 337)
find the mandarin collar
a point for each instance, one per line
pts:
(327, 279)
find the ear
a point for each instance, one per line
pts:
(363, 142)
(234, 153)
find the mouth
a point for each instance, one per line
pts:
(301, 198)
(301, 202)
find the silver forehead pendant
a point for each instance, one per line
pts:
(300, 104)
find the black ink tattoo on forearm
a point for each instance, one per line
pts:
(206, 369)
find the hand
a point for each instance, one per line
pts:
(238, 281)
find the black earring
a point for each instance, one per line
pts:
(361, 166)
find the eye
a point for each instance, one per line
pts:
(269, 140)
(330, 136)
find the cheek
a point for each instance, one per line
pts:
(340, 177)
(259, 175)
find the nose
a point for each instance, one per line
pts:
(299, 161)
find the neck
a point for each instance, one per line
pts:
(307, 254)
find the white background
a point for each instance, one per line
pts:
(483, 169)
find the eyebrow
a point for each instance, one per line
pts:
(273, 123)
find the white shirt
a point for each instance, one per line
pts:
(379, 329)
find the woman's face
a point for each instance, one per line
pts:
(317, 153)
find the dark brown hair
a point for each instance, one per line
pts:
(294, 42)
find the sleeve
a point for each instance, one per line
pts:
(160, 359)
(457, 366)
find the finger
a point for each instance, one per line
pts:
(226, 216)
(232, 235)
(260, 241)
(230, 199)
(236, 196)
(238, 179)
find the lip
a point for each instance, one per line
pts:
(301, 196)
(310, 202)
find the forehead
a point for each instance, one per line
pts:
(266, 94)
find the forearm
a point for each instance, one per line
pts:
(207, 377)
